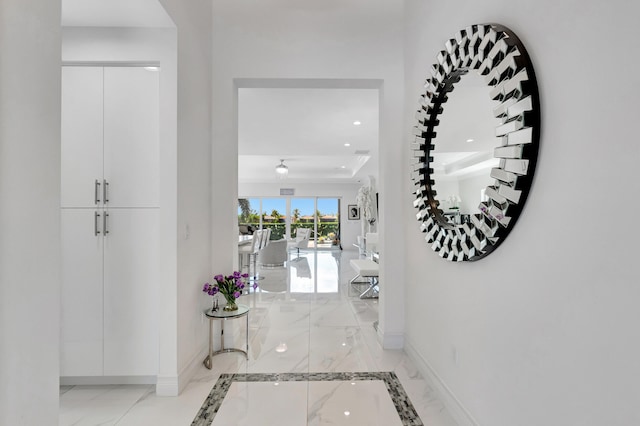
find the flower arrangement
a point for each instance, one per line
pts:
(364, 199)
(229, 286)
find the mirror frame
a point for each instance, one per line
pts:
(496, 53)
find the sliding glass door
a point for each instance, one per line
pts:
(285, 215)
(274, 217)
(327, 222)
(302, 215)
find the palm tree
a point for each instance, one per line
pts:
(245, 209)
(275, 215)
(295, 214)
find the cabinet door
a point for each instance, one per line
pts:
(81, 322)
(130, 291)
(131, 136)
(81, 135)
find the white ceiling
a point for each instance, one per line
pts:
(308, 128)
(114, 13)
(466, 134)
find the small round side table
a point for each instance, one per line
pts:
(222, 315)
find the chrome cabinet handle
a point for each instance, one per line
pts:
(96, 231)
(97, 192)
(105, 191)
(105, 231)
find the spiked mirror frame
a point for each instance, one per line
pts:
(496, 53)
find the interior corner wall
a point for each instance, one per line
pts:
(29, 212)
(351, 39)
(193, 189)
(544, 331)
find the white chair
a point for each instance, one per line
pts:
(266, 238)
(250, 250)
(274, 254)
(303, 235)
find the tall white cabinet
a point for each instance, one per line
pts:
(110, 221)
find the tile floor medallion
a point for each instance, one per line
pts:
(326, 406)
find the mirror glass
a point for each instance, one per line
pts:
(463, 150)
(475, 144)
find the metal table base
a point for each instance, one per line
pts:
(242, 311)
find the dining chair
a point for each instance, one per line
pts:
(251, 252)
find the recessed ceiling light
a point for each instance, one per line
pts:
(343, 167)
(347, 413)
(347, 144)
(469, 140)
(152, 68)
(356, 123)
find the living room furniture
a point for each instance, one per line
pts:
(303, 235)
(368, 269)
(223, 316)
(250, 251)
(274, 254)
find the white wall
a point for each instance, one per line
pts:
(546, 327)
(349, 229)
(354, 39)
(29, 211)
(185, 333)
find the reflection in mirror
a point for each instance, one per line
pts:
(463, 151)
(495, 53)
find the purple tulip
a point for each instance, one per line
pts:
(236, 294)
(245, 275)
(219, 278)
(206, 287)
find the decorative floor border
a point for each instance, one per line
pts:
(212, 403)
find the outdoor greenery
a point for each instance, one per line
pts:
(328, 227)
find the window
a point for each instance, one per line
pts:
(284, 215)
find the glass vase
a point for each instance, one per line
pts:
(231, 303)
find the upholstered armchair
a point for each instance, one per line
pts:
(274, 254)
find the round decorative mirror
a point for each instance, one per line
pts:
(474, 157)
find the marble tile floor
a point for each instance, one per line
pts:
(305, 318)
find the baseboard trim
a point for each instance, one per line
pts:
(107, 380)
(175, 384)
(167, 386)
(390, 340)
(459, 413)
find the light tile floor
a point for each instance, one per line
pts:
(305, 318)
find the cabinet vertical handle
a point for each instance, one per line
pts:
(105, 230)
(105, 191)
(97, 191)
(96, 217)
